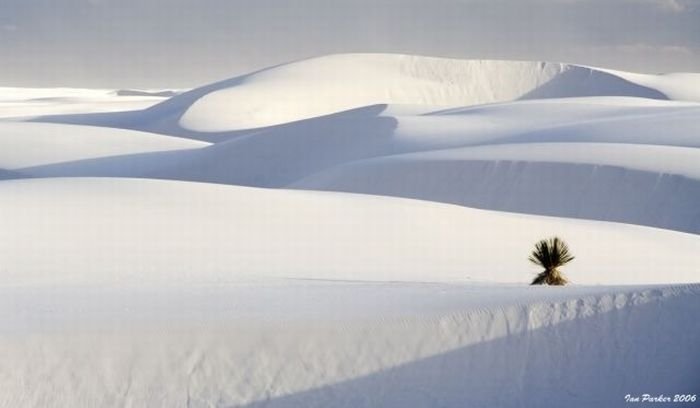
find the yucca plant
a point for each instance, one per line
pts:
(551, 254)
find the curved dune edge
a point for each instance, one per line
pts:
(335, 83)
(611, 159)
(369, 357)
(194, 232)
(25, 144)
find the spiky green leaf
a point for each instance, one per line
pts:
(551, 253)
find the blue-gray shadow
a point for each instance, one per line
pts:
(579, 82)
(589, 362)
(275, 156)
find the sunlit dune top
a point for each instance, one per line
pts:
(329, 84)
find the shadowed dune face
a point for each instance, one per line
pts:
(581, 82)
(539, 366)
(10, 175)
(273, 157)
(501, 355)
(578, 190)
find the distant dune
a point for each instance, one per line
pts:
(26, 103)
(336, 83)
(630, 160)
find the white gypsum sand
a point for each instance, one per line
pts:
(181, 253)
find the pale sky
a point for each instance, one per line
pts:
(184, 43)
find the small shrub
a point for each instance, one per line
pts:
(551, 254)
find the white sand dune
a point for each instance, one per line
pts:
(36, 144)
(614, 159)
(142, 264)
(326, 85)
(31, 102)
(146, 293)
(647, 185)
(360, 345)
(336, 83)
(181, 232)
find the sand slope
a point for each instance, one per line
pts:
(150, 293)
(335, 83)
(184, 232)
(179, 253)
(618, 159)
